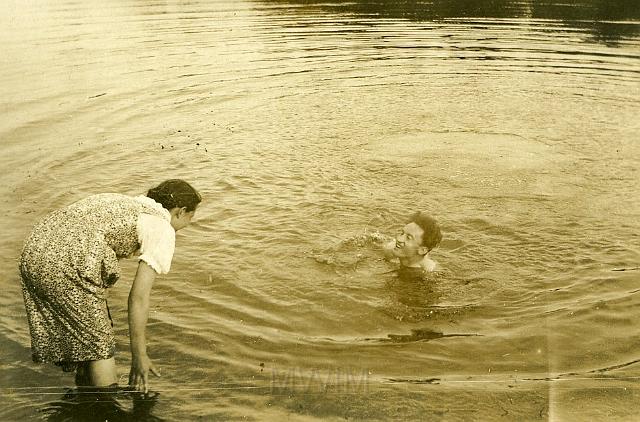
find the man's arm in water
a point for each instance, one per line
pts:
(387, 250)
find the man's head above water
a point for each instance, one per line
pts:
(414, 242)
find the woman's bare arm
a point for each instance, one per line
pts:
(138, 315)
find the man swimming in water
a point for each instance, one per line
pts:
(414, 242)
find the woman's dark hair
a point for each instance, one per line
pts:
(175, 193)
(432, 235)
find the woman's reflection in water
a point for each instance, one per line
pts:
(106, 404)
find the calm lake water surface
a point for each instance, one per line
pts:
(313, 129)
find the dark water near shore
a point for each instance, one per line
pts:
(313, 129)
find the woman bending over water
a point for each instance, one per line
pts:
(71, 258)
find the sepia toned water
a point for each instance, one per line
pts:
(313, 130)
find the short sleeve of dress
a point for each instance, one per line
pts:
(157, 242)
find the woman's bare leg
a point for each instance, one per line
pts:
(101, 373)
(81, 375)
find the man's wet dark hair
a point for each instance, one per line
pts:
(175, 193)
(432, 235)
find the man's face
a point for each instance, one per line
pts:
(409, 242)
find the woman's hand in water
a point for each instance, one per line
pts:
(139, 374)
